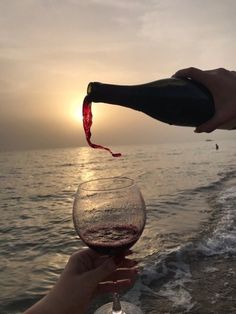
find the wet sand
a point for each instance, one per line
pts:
(212, 289)
(214, 285)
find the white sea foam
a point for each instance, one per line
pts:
(221, 241)
(223, 238)
(174, 290)
(210, 269)
(149, 274)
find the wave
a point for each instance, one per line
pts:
(68, 164)
(170, 275)
(223, 238)
(164, 277)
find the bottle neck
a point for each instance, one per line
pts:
(123, 95)
(175, 101)
(170, 92)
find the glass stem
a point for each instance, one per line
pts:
(116, 306)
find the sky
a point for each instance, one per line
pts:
(51, 49)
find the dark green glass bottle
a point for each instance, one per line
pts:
(174, 101)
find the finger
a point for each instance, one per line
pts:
(123, 274)
(110, 287)
(118, 259)
(85, 260)
(110, 266)
(81, 261)
(128, 253)
(193, 73)
(189, 72)
(128, 263)
(100, 260)
(210, 125)
(233, 72)
(103, 271)
(84, 254)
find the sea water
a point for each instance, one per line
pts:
(187, 253)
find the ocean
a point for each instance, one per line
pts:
(187, 252)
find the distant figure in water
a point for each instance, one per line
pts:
(217, 146)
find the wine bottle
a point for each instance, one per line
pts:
(182, 102)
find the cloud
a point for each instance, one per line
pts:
(5, 86)
(185, 33)
(123, 4)
(184, 20)
(51, 49)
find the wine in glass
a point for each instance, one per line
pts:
(109, 216)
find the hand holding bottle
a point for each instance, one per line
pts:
(222, 84)
(202, 99)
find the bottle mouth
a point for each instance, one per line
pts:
(89, 88)
(92, 87)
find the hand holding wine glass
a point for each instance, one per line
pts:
(109, 216)
(86, 275)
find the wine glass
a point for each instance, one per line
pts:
(109, 216)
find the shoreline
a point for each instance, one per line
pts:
(212, 289)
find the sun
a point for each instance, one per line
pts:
(76, 109)
(78, 115)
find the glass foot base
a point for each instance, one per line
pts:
(127, 308)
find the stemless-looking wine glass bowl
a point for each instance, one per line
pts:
(109, 216)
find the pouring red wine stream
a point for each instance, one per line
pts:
(87, 123)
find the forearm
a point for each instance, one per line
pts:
(41, 307)
(57, 301)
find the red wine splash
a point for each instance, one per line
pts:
(87, 123)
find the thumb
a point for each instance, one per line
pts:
(195, 74)
(209, 126)
(103, 271)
